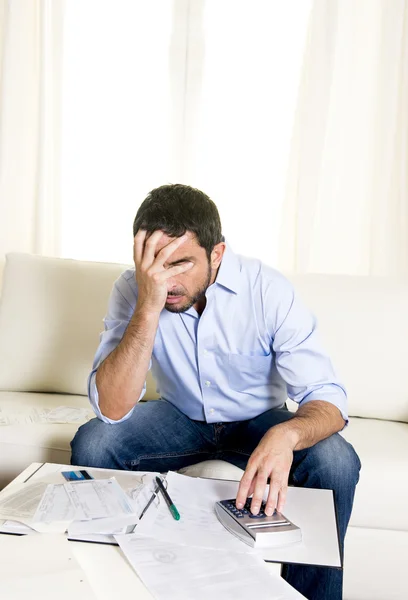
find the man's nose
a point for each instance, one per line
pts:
(171, 284)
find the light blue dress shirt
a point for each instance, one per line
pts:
(254, 345)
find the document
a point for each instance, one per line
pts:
(19, 504)
(312, 510)
(176, 572)
(198, 525)
(21, 501)
(15, 527)
(34, 416)
(42, 507)
(98, 499)
(96, 506)
(54, 511)
(136, 498)
(66, 414)
(99, 506)
(41, 566)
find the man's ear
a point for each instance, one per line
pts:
(217, 254)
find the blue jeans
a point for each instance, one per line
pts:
(158, 437)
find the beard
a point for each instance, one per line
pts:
(199, 293)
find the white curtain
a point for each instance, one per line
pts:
(346, 207)
(102, 100)
(203, 92)
(120, 128)
(30, 72)
(241, 113)
(200, 92)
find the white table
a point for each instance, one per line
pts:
(107, 570)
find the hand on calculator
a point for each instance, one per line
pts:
(245, 512)
(258, 530)
(272, 459)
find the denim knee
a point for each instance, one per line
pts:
(329, 464)
(93, 444)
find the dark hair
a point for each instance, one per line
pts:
(177, 208)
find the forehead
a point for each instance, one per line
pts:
(190, 247)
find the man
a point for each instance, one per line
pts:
(228, 340)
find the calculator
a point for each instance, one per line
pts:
(258, 530)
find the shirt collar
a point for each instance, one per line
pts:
(229, 271)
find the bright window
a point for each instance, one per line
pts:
(189, 91)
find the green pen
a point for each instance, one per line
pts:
(169, 501)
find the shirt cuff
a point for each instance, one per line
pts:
(94, 399)
(333, 394)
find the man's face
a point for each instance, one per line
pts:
(188, 289)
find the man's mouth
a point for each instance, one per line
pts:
(173, 299)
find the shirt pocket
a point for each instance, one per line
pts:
(247, 373)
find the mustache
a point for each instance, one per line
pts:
(174, 294)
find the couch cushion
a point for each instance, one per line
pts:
(51, 313)
(214, 469)
(382, 493)
(363, 323)
(20, 445)
(56, 435)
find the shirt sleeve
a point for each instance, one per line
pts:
(300, 358)
(120, 310)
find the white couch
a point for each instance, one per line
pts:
(51, 314)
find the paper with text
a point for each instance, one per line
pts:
(198, 525)
(20, 502)
(54, 511)
(176, 572)
(34, 416)
(100, 505)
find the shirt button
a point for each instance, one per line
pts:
(211, 411)
(207, 383)
(206, 353)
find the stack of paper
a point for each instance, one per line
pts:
(99, 506)
(193, 558)
(196, 557)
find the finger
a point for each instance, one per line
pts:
(138, 243)
(168, 250)
(282, 498)
(173, 271)
(275, 487)
(272, 499)
(278, 485)
(244, 485)
(261, 480)
(150, 248)
(251, 488)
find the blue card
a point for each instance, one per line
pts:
(76, 475)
